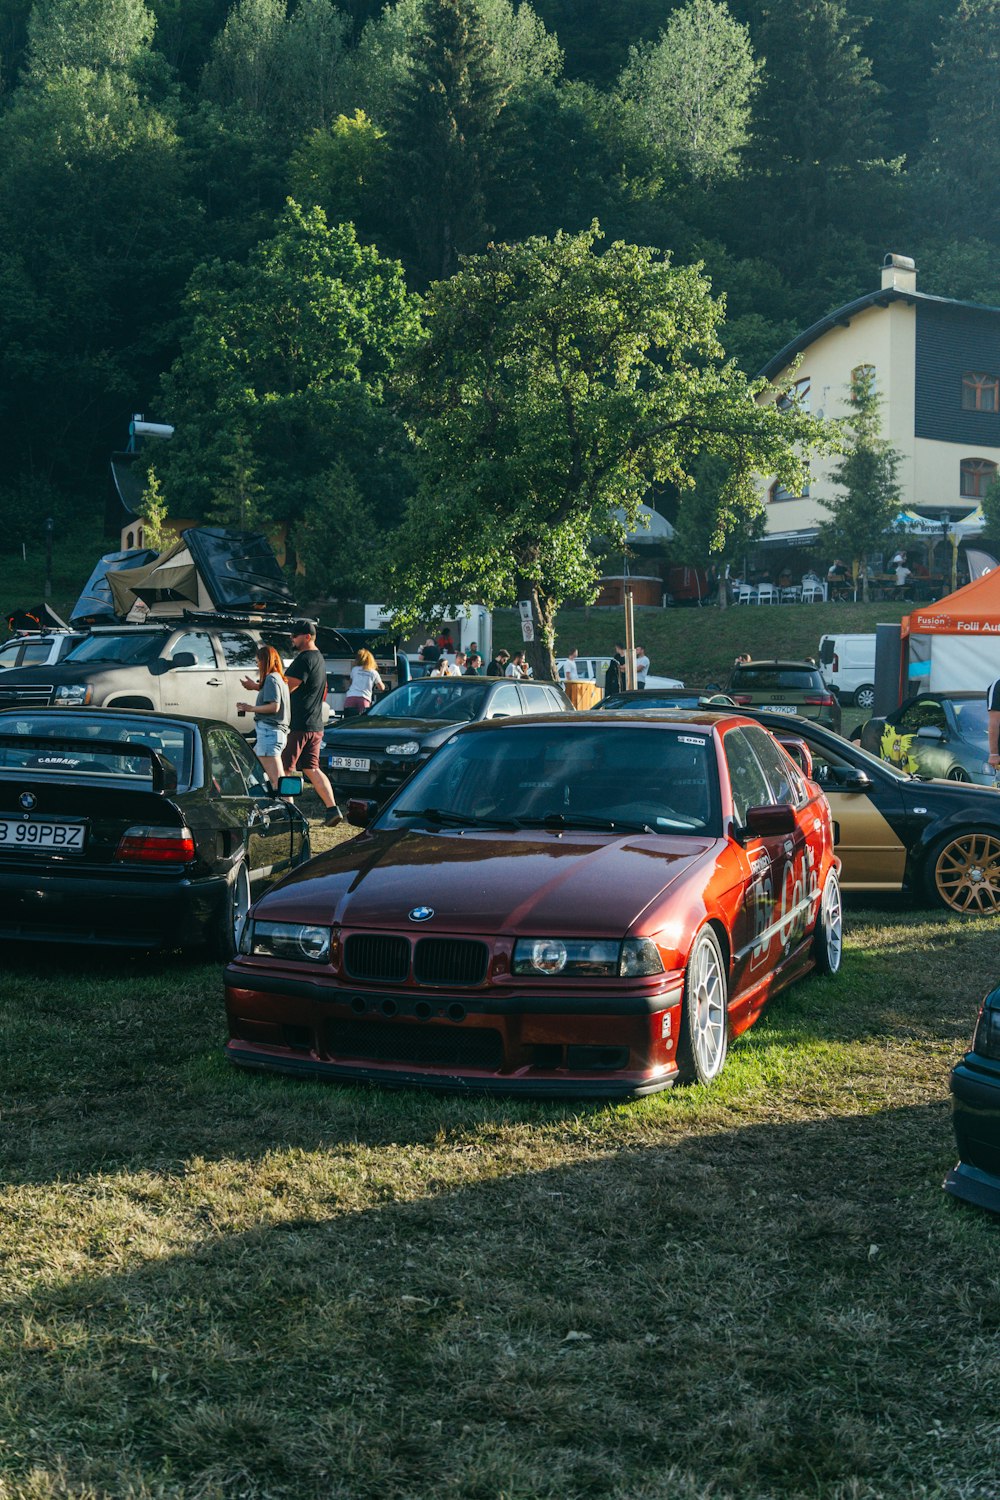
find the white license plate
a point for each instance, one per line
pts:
(780, 708)
(350, 763)
(32, 834)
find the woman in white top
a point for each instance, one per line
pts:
(364, 681)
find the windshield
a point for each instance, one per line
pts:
(432, 698)
(135, 645)
(656, 778)
(757, 679)
(175, 742)
(972, 722)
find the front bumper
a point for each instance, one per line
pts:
(98, 908)
(494, 1040)
(975, 1097)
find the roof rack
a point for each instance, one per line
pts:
(349, 637)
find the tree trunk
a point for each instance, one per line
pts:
(541, 650)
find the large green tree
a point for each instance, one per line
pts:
(693, 88)
(869, 500)
(558, 381)
(963, 157)
(281, 375)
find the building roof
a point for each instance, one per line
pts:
(843, 315)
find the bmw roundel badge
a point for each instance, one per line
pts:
(28, 800)
(421, 913)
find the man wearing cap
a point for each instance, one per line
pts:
(306, 678)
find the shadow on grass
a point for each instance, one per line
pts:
(773, 1311)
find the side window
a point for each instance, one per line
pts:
(534, 698)
(36, 653)
(238, 649)
(8, 656)
(750, 789)
(504, 702)
(223, 768)
(249, 765)
(200, 644)
(555, 700)
(919, 715)
(785, 782)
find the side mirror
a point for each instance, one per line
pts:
(800, 754)
(183, 659)
(360, 811)
(770, 821)
(290, 786)
(930, 732)
(852, 781)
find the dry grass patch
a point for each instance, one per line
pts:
(221, 1285)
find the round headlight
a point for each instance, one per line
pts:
(313, 941)
(548, 957)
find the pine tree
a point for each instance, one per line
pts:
(445, 136)
(867, 475)
(963, 158)
(153, 508)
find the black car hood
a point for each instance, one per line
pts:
(64, 671)
(378, 732)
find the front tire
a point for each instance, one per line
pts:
(704, 1040)
(227, 930)
(828, 938)
(962, 873)
(958, 773)
(864, 696)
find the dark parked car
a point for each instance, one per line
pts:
(689, 698)
(795, 688)
(935, 735)
(975, 1103)
(573, 904)
(938, 840)
(373, 754)
(135, 830)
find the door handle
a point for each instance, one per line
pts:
(214, 682)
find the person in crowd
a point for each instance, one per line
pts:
(458, 664)
(430, 651)
(306, 678)
(903, 576)
(837, 571)
(474, 665)
(898, 559)
(517, 665)
(614, 677)
(271, 711)
(445, 641)
(641, 667)
(743, 660)
(473, 650)
(570, 674)
(363, 685)
(443, 668)
(497, 666)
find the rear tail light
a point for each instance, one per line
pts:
(156, 846)
(824, 699)
(835, 664)
(741, 698)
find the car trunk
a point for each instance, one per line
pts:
(81, 826)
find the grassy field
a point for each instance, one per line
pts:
(217, 1285)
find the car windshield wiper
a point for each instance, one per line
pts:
(559, 820)
(452, 819)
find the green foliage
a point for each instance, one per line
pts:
(344, 169)
(94, 34)
(558, 382)
(867, 476)
(337, 538)
(281, 372)
(964, 150)
(289, 70)
(713, 526)
(693, 88)
(153, 509)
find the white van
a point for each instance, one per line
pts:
(594, 669)
(847, 663)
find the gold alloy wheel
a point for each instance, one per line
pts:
(967, 873)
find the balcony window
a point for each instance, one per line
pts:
(976, 476)
(980, 393)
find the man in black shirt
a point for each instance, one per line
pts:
(614, 677)
(306, 678)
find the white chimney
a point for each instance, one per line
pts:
(900, 273)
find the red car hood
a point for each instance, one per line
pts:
(488, 883)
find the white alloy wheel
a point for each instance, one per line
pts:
(704, 1039)
(828, 940)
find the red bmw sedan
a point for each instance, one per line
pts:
(581, 904)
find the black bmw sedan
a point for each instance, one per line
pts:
(373, 754)
(136, 829)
